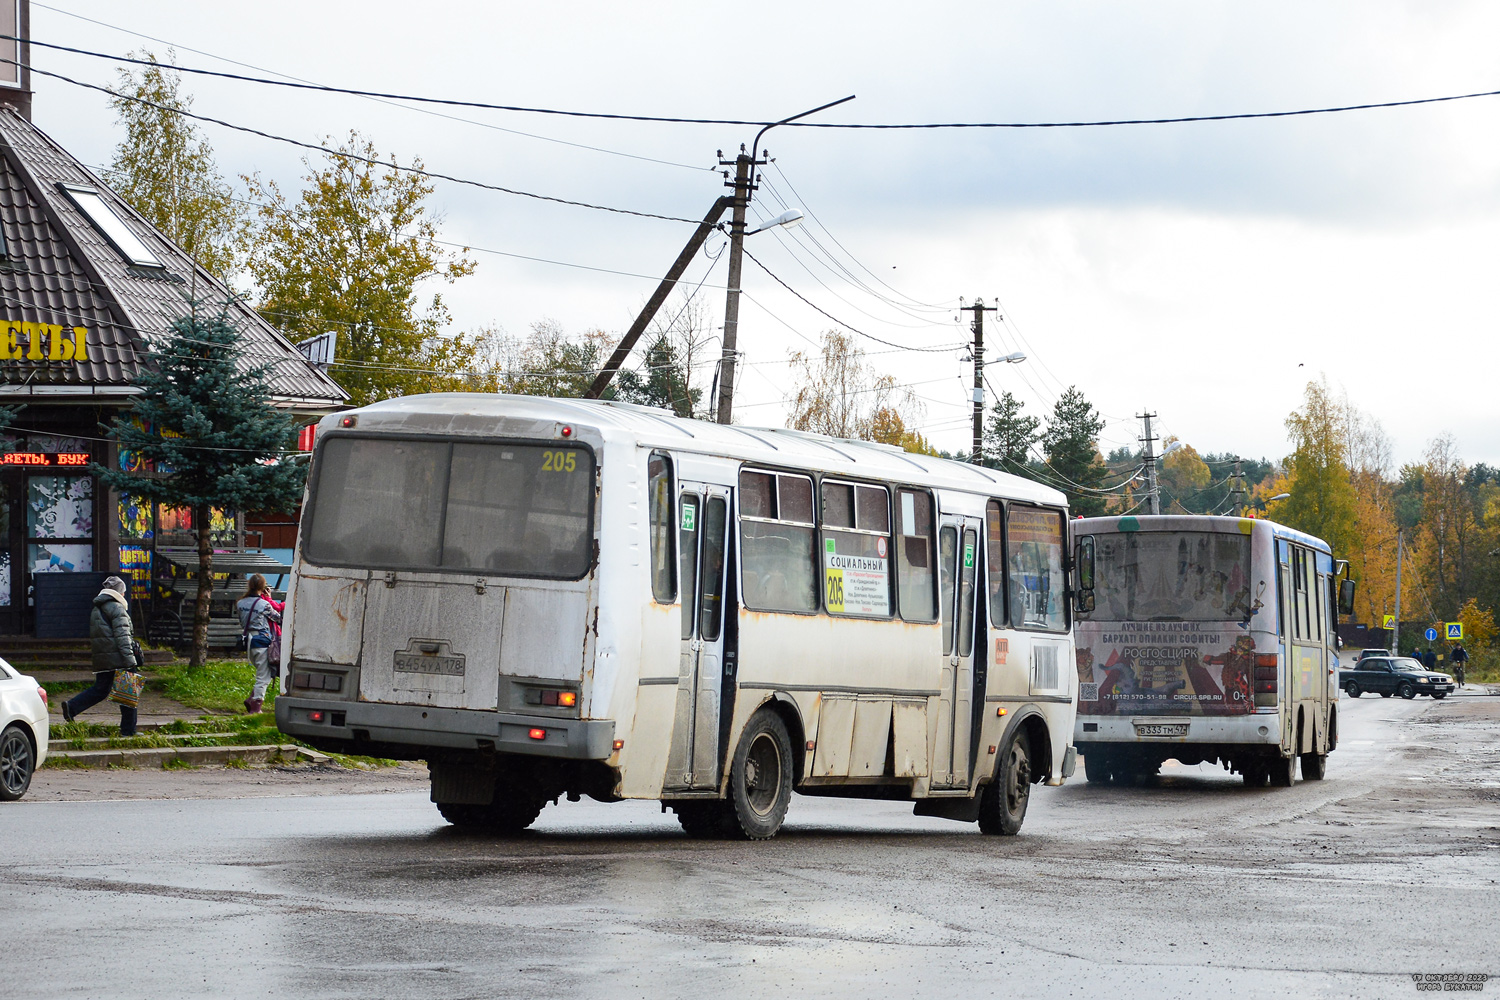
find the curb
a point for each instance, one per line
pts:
(157, 756)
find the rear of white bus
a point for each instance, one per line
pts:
(442, 601)
(1178, 658)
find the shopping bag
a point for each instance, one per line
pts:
(127, 688)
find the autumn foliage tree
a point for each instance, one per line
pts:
(351, 254)
(164, 167)
(838, 393)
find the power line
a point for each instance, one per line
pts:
(676, 120)
(418, 171)
(852, 329)
(424, 111)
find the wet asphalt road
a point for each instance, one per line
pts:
(1197, 887)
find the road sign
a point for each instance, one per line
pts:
(1455, 630)
(1431, 635)
(1388, 622)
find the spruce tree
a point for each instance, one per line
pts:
(1071, 444)
(1009, 436)
(210, 439)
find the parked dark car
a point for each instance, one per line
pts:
(1388, 675)
(1365, 654)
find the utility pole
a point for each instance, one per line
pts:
(743, 184)
(1239, 489)
(1153, 489)
(978, 309)
(1396, 631)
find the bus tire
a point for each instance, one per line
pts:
(1002, 804)
(1314, 766)
(760, 779)
(508, 815)
(1353, 690)
(1255, 774)
(1283, 772)
(1096, 768)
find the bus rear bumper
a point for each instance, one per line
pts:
(1248, 730)
(359, 727)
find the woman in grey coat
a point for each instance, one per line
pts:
(112, 643)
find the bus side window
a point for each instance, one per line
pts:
(916, 582)
(710, 605)
(996, 564)
(1034, 555)
(659, 506)
(856, 550)
(776, 542)
(688, 534)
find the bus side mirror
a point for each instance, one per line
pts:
(1346, 597)
(1083, 562)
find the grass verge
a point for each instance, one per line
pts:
(218, 685)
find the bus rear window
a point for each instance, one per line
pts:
(1193, 576)
(504, 509)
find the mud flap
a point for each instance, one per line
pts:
(1070, 762)
(965, 810)
(462, 785)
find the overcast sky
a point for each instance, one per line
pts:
(1204, 271)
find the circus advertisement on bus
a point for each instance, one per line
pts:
(1164, 668)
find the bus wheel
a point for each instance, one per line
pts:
(1002, 804)
(1314, 766)
(508, 815)
(1284, 771)
(1096, 768)
(1255, 774)
(760, 779)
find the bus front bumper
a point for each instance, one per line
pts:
(359, 727)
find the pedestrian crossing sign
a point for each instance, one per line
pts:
(1388, 622)
(1455, 630)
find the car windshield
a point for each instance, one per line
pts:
(1172, 576)
(1407, 663)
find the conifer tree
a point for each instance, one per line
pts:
(1071, 444)
(1009, 436)
(210, 439)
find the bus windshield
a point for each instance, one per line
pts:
(435, 505)
(1191, 576)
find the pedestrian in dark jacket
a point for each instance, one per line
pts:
(1429, 659)
(112, 644)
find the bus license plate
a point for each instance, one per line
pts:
(418, 663)
(1161, 728)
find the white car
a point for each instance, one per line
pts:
(23, 731)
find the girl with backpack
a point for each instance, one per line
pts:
(260, 620)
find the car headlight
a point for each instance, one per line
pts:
(1421, 680)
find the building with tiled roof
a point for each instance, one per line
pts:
(87, 289)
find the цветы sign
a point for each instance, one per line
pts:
(42, 342)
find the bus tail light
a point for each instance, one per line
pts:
(537, 734)
(1266, 670)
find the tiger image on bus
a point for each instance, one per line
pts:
(547, 597)
(1210, 639)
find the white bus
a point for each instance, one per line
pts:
(1210, 639)
(545, 597)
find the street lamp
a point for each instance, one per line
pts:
(1279, 496)
(791, 217)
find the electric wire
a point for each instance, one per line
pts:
(341, 154)
(871, 126)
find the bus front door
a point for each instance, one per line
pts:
(958, 561)
(703, 523)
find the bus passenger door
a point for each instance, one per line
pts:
(703, 521)
(958, 559)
